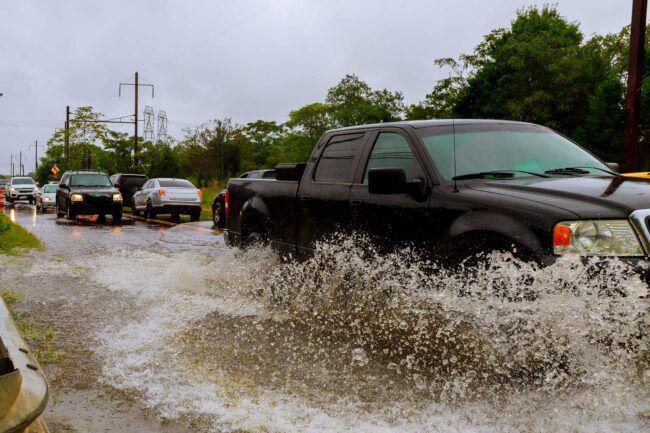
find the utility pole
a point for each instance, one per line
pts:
(20, 163)
(67, 132)
(631, 150)
(12, 164)
(135, 123)
(35, 146)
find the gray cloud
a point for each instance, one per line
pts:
(75, 52)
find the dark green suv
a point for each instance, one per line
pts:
(88, 193)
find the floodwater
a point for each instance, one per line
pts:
(166, 329)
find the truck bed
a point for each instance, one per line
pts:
(258, 198)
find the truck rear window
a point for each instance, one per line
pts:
(336, 162)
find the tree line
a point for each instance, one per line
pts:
(540, 69)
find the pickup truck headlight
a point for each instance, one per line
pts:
(13, 189)
(46, 199)
(117, 197)
(76, 198)
(596, 238)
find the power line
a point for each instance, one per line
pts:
(212, 38)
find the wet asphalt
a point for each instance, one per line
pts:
(58, 292)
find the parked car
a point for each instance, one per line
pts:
(88, 193)
(219, 209)
(450, 189)
(46, 197)
(20, 188)
(128, 184)
(168, 196)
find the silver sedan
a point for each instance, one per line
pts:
(168, 196)
(46, 197)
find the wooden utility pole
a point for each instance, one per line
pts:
(67, 132)
(135, 123)
(631, 150)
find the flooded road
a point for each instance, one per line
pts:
(166, 329)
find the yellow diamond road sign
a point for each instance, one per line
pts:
(55, 170)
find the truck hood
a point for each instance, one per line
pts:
(588, 197)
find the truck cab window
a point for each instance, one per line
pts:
(391, 150)
(337, 160)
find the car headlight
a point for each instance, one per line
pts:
(46, 199)
(117, 197)
(13, 189)
(76, 197)
(596, 238)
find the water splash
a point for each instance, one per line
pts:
(359, 341)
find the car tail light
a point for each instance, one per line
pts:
(561, 236)
(161, 192)
(199, 193)
(227, 204)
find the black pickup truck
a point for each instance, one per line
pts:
(450, 188)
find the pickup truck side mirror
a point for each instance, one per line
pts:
(393, 181)
(387, 181)
(614, 166)
(63, 185)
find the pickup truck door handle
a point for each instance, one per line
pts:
(304, 201)
(356, 203)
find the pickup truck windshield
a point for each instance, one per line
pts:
(519, 148)
(22, 181)
(96, 180)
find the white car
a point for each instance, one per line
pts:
(46, 197)
(21, 188)
(168, 196)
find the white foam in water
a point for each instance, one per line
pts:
(505, 347)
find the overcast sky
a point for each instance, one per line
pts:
(244, 59)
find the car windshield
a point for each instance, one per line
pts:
(49, 189)
(96, 180)
(507, 147)
(175, 183)
(22, 181)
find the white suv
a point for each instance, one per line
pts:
(20, 188)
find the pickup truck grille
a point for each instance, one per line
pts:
(22, 191)
(98, 199)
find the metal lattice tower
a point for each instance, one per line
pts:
(162, 127)
(148, 124)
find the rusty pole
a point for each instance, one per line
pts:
(631, 150)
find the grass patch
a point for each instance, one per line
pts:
(41, 338)
(208, 195)
(14, 239)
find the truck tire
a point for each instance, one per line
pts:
(195, 216)
(117, 217)
(150, 213)
(70, 214)
(59, 214)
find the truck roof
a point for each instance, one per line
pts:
(417, 124)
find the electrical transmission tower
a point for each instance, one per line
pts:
(162, 127)
(148, 124)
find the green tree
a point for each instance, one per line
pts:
(354, 102)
